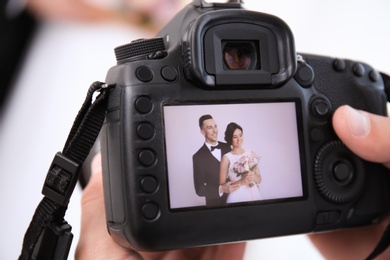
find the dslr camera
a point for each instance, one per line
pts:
(238, 66)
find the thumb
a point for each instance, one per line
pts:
(367, 135)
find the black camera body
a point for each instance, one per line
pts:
(238, 66)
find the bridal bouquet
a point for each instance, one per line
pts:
(248, 162)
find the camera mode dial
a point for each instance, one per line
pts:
(153, 48)
(338, 173)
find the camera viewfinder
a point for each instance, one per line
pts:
(240, 55)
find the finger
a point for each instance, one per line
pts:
(367, 135)
(77, 10)
(235, 188)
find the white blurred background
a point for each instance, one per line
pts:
(66, 56)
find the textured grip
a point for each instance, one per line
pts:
(349, 82)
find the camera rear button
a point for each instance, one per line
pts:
(144, 74)
(305, 76)
(358, 69)
(343, 172)
(320, 107)
(145, 131)
(339, 65)
(316, 135)
(143, 105)
(147, 157)
(150, 211)
(374, 76)
(328, 217)
(149, 184)
(169, 73)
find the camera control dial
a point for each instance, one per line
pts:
(153, 48)
(338, 173)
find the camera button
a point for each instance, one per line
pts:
(343, 172)
(316, 135)
(339, 65)
(320, 107)
(147, 157)
(358, 69)
(374, 76)
(150, 211)
(149, 184)
(305, 75)
(328, 217)
(169, 73)
(145, 131)
(144, 74)
(143, 105)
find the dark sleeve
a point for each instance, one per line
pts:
(199, 180)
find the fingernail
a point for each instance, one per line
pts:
(358, 122)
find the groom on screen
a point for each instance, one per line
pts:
(206, 164)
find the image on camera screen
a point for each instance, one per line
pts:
(262, 161)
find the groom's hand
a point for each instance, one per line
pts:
(229, 187)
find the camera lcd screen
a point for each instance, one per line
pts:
(262, 164)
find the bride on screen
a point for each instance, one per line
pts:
(240, 168)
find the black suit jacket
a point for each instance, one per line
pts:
(206, 174)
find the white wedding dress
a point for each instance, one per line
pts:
(245, 192)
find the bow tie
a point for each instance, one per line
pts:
(215, 147)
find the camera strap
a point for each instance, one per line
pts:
(49, 235)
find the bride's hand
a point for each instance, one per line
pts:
(246, 179)
(250, 177)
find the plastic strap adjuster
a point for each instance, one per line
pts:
(61, 179)
(55, 242)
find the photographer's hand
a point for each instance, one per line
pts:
(368, 136)
(96, 243)
(148, 15)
